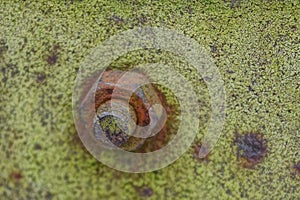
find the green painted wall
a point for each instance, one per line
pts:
(255, 45)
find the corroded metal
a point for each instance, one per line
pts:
(111, 123)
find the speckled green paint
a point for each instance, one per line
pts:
(254, 44)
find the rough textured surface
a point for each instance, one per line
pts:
(255, 45)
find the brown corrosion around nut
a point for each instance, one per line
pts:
(105, 88)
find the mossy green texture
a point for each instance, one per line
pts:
(255, 45)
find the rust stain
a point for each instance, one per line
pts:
(16, 176)
(251, 148)
(103, 94)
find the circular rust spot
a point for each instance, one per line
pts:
(251, 148)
